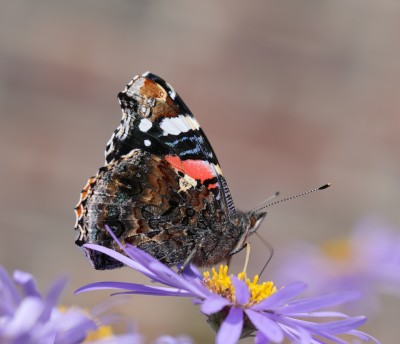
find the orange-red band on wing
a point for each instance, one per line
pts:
(197, 169)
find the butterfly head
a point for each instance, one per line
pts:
(249, 223)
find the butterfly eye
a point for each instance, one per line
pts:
(117, 227)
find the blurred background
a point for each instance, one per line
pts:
(292, 94)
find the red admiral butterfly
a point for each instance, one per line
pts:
(162, 188)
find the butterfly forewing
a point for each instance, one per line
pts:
(156, 120)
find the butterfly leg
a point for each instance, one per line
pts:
(246, 263)
(188, 259)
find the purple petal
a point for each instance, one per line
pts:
(214, 304)
(231, 328)
(127, 338)
(152, 293)
(122, 247)
(138, 255)
(305, 336)
(167, 276)
(27, 282)
(120, 257)
(152, 268)
(190, 272)
(25, 316)
(327, 314)
(269, 328)
(296, 330)
(340, 326)
(326, 330)
(133, 288)
(363, 336)
(314, 303)
(53, 296)
(260, 338)
(281, 297)
(10, 295)
(73, 327)
(164, 274)
(242, 292)
(172, 340)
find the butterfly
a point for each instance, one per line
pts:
(161, 188)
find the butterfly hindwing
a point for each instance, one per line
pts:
(148, 204)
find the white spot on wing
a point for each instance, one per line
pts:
(172, 92)
(169, 126)
(146, 73)
(147, 143)
(144, 125)
(193, 123)
(177, 125)
(218, 169)
(186, 183)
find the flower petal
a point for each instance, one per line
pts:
(190, 271)
(133, 288)
(27, 282)
(269, 328)
(231, 328)
(152, 268)
(314, 303)
(25, 316)
(261, 339)
(242, 292)
(327, 314)
(52, 297)
(305, 336)
(364, 336)
(173, 340)
(325, 330)
(120, 257)
(281, 297)
(340, 326)
(164, 274)
(295, 329)
(9, 293)
(73, 328)
(213, 304)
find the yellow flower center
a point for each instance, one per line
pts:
(220, 283)
(102, 332)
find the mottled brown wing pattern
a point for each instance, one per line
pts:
(151, 205)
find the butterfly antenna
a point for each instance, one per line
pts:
(323, 187)
(271, 250)
(269, 199)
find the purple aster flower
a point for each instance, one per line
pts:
(237, 307)
(27, 317)
(367, 261)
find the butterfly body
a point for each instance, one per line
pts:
(161, 188)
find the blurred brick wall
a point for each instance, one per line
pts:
(291, 94)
